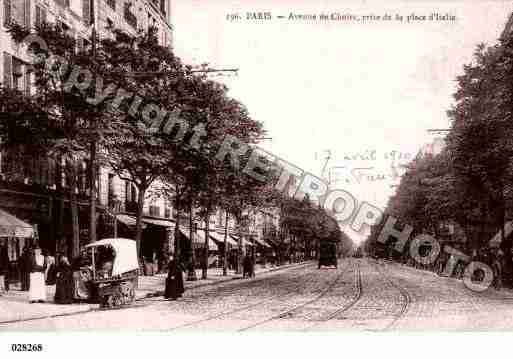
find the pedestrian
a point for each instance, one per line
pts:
(81, 277)
(174, 281)
(50, 270)
(4, 268)
(64, 288)
(246, 267)
(497, 269)
(37, 291)
(251, 267)
(25, 264)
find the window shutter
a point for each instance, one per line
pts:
(86, 11)
(38, 16)
(7, 70)
(27, 14)
(27, 79)
(7, 12)
(80, 44)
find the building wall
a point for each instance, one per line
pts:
(75, 14)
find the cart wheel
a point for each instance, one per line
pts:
(117, 301)
(126, 293)
(111, 302)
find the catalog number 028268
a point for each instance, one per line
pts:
(26, 347)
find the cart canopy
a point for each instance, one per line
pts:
(125, 251)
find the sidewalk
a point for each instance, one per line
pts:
(15, 304)
(154, 286)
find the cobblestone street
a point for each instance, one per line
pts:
(362, 294)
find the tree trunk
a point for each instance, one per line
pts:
(191, 275)
(92, 187)
(75, 243)
(225, 249)
(177, 230)
(60, 227)
(239, 256)
(138, 222)
(204, 272)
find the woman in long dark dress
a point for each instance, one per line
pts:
(25, 264)
(174, 281)
(64, 289)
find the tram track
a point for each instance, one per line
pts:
(240, 309)
(405, 303)
(356, 298)
(288, 312)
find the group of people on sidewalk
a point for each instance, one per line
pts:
(45, 271)
(37, 270)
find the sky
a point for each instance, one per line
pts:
(355, 89)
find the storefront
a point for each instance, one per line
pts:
(15, 233)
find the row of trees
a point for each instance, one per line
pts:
(107, 103)
(469, 184)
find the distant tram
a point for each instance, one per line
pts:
(327, 254)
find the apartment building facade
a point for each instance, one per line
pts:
(36, 188)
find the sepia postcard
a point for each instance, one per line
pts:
(323, 169)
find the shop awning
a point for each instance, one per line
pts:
(261, 242)
(10, 226)
(245, 242)
(220, 238)
(199, 241)
(128, 220)
(158, 222)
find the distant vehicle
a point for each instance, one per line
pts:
(328, 254)
(358, 253)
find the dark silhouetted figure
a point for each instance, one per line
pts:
(248, 268)
(25, 266)
(64, 289)
(174, 281)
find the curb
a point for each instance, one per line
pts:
(160, 293)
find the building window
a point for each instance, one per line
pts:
(167, 212)
(155, 211)
(130, 18)
(87, 12)
(17, 11)
(40, 15)
(63, 3)
(16, 74)
(112, 4)
(163, 7)
(130, 192)
(111, 190)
